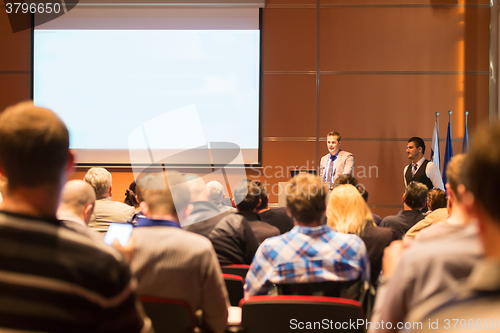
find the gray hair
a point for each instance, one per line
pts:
(215, 192)
(100, 179)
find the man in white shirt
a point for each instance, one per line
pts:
(420, 169)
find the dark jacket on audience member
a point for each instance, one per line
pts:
(279, 218)
(376, 240)
(261, 229)
(402, 222)
(233, 240)
(202, 211)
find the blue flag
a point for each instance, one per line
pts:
(448, 153)
(465, 147)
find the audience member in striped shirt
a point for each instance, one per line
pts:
(53, 279)
(173, 263)
(311, 251)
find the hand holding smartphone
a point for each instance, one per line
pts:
(119, 231)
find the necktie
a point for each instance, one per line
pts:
(414, 169)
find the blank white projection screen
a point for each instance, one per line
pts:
(110, 85)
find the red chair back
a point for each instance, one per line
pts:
(169, 315)
(234, 286)
(270, 314)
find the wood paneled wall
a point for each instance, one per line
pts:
(376, 71)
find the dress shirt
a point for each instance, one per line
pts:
(330, 166)
(307, 254)
(431, 171)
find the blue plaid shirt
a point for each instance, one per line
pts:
(307, 254)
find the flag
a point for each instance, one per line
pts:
(448, 153)
(435, 152)
(465, 146)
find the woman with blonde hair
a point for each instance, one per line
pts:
(347, 212)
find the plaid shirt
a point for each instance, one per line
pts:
(304, 255)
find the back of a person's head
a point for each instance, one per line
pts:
(347, 211)
(419, 142)
(130, 195)
(481, 169)
(34, 145)
(306, 198)
(165, 194)
(215, 192)
(76, 194)
(246, 195)
(197, 187)
(416, 195)
(264, 202)
(453, 172)
(350, 179)
(436, 198)
(100, 179)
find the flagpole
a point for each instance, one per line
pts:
(437, 122)
(449, 119)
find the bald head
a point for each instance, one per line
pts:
(78, 198)
(197, 187)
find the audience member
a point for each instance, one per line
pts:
(436, 199)
(477, 300)
(428, 268)
(53, 279)
(350, 179)
(246, 200)
(421, 170)
(130, 196)
(173, 263)
(414, 199)
(215, 193)
(438, 212)
(311, 251)
(106, 210)
(139, 197)
(337, 162)
(203, 209)
(277, 217)
(76, 208)
(347, 212)
(456, 220)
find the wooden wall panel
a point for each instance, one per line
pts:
(15, 54)
(289, 105)
(279, 158)
(14, 88)
(288, 45)
(398, 106)
(400, 39)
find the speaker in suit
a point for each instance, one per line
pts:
(344, 164)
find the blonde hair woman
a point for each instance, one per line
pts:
(347, 212)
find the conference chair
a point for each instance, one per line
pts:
(236, 269)
(358, 290)
(169, 315)
(234, 286)
(290, 313)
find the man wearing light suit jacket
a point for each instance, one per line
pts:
(337, 162)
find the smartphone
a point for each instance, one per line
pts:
(120, 231)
